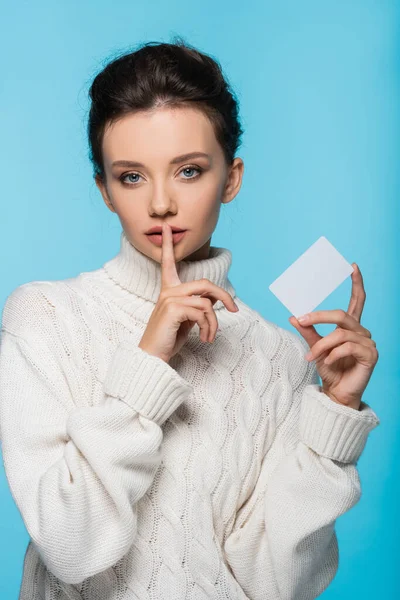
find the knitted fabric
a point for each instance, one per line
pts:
(218, 475)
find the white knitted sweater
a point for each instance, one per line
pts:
(216, 476)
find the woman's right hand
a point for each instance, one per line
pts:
(177, 310)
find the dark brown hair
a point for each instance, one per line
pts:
(162, 74)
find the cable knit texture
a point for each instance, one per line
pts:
(218, 475)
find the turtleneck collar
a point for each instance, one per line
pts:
(141, 275)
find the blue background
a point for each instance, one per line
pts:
(318, 85)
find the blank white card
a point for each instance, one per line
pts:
(311, 278)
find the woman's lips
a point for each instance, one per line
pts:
(156, 238)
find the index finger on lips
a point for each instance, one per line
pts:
(169, 273)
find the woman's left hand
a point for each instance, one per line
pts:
(346, 357)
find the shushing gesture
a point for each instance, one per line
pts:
(177, 310)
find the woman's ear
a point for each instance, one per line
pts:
(103, 190)
(234, 180)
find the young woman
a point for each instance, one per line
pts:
(149, 458)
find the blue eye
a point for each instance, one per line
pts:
(129, 175)
(131, 184)
(191, 169)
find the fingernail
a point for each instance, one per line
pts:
(303, 318)
(236, 306)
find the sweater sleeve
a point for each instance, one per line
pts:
(76, 474)
(283, 544)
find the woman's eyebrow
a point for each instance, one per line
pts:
(177, 159)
